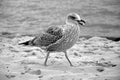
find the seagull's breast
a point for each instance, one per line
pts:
(71, 36)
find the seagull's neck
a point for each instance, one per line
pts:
(69, 22)
(73, 24)
(72, 27)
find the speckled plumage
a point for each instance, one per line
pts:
(59, 38)
(48, 37)
(69, 38)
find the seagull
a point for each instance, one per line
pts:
(59, 38)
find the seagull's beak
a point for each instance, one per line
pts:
(81, 22)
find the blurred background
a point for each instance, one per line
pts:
(29, 17)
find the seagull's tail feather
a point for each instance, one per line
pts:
(30, 42)
(26, 43)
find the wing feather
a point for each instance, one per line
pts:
(61, 41)
(50, 36)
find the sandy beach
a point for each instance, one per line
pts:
(93, 59)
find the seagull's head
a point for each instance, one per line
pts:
(74, 18)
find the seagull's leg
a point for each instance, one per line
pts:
(67, 58)
(45, 63)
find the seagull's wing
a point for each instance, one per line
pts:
(55, 30)
(50, 36)
(62, 41)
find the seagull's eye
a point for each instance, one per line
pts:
(72, 17)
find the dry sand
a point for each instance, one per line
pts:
(93, 59)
